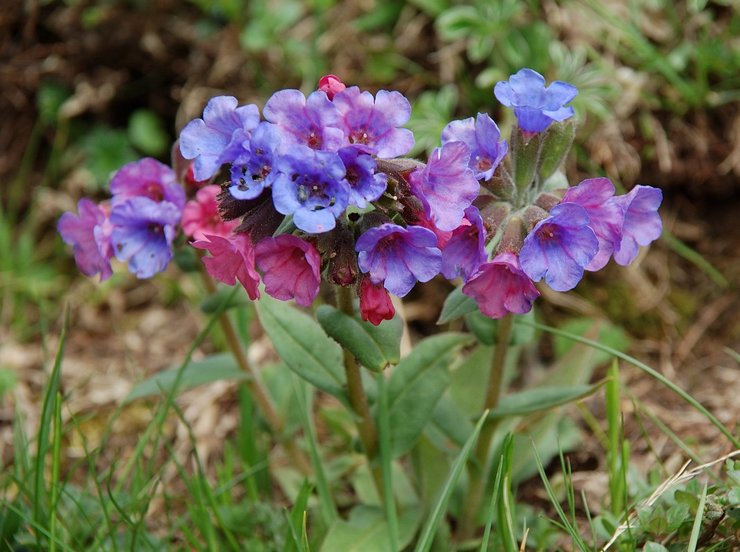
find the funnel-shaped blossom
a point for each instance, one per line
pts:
(446, 185)
(219, 136)
(398, 257)
(147, 178)
(501, 287)
(312, 122)
(364, 183)
(291, 268)
(375, 303)
(311, 187)
(596, 196)
(232, 259)
(559, 247)
(535, 105)
(143, 231)
(200, 215)
(465, 251)
(252, 172)
(642, 224)
(373, 122)
(89, 235)
(483, 138)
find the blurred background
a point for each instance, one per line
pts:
(89, 85)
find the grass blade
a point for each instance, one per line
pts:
(696, 528)
(427, 535)
(384, 438)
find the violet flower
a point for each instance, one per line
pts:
(535, 106)
(642, 224)
(291, 268)
(365, 184)
(559, 247)
(232, 259)
(501, 287)
(143, 231)
(483, 137)
(218, 137)
(398, 257)
(373, 122)
(89, 234)
(147, 178)
(446, 185)
(252, 172)
(465, 251)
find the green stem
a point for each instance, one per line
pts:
(256, 388)
(357, 398)
(478, 468)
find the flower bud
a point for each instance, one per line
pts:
(555, 147)
(547, 201)
(525, 153)
(375, 303)
(493, 213)
(513, 237)
(532, 215)
(342, 259)
(331, 85)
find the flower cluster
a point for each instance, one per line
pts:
(316, 187)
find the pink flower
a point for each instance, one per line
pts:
(232, 259)
(500, 287)
(200, 216)
(331, 85)
(291, 268)
(375, 303)
(89, 233)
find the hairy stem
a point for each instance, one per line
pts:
(478, 467)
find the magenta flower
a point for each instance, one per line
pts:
(312, 121)
(596, 196)
(559, 247)
(232, 259)
(373, 122)
(535, 106)
(465, 251)
(642, 224)
(501, 287)
(200, 215)
(483, 138)
(291, 268)
(218, 137)
(375, 303)
(89, 235)
(398, 257)
(446, 185)
(143, 232)
(147, 178)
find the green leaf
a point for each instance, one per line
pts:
(106, 151)
(458, 22)
(223, 298)
(375, 347)
(302, 344)
(146, 132)
(416, 385)
(296, 526)
(367, 531)
(486, 329)
(540, 399)
(456, 305)
(449, 420)
(651, 546)
(217, 367)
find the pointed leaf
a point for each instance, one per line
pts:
(541, 398)
(456, 305)
(375, 347)
(367, 531)
(303, 345)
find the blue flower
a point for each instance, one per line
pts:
(483, 137)
(89, 234)
(252, 171)
(219, 137)
(143, 231)
(465, 251)
(398, 257)
(559, 247)
(535, 105)
(365, 184)
(312, 187)
(642, 224)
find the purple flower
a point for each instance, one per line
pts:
(219, 136)
(501, 287)
(559, 247)
(446, 185)
(374, 122)
(143, 231)
(291, 268)
(147, 178)
(89, 235)
(596, 196)
(312, 121)
(252, 171)
(311, 187)
(483, 138)
(364, 183)
(535, 105)
(398, 257)
(642, 224)
(465, 251)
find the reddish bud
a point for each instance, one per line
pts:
(375, 303)
(331, 85)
